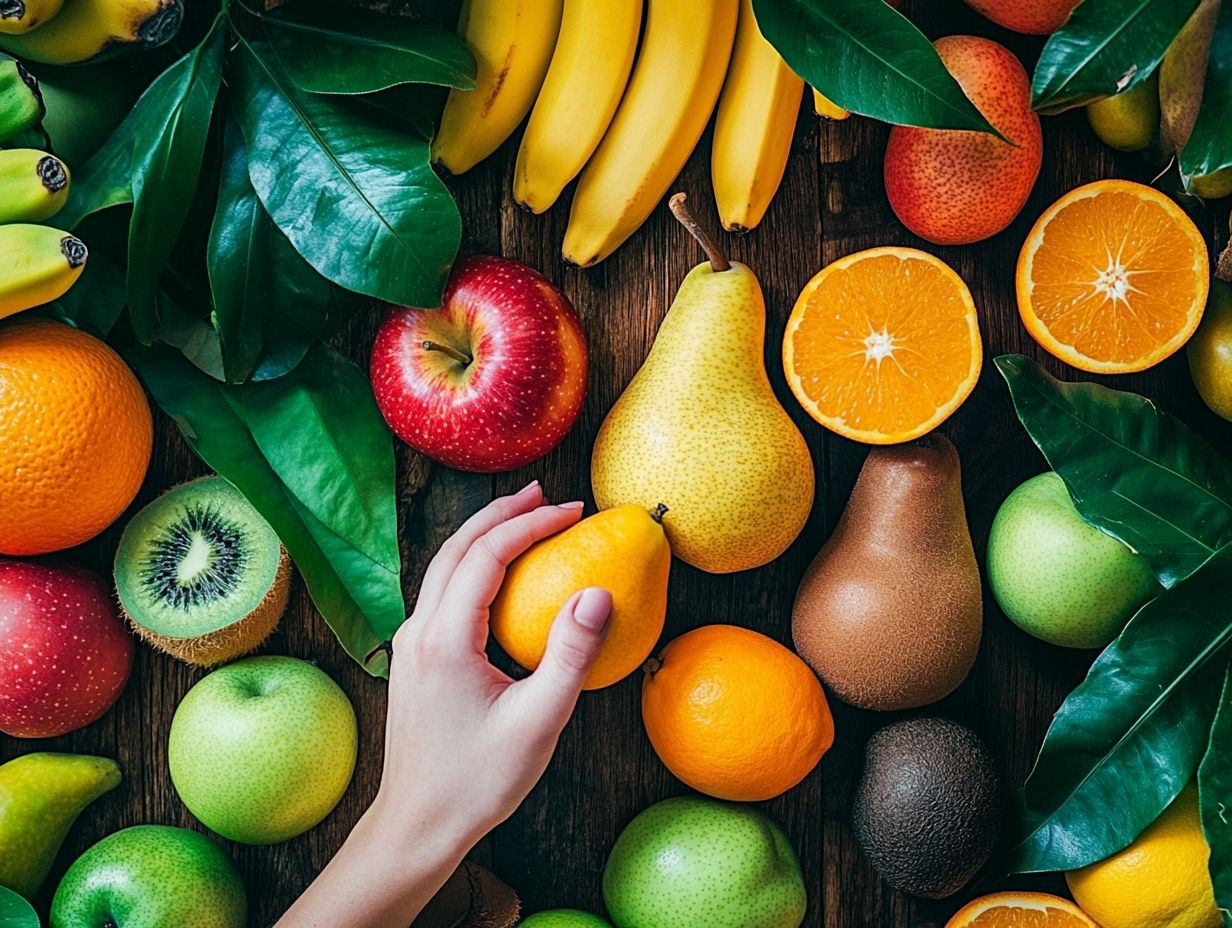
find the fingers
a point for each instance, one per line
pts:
(548, 696)
(455, 547)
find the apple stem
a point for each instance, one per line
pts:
(460, 357)
(718, 260)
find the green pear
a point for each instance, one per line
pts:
(563, 918)
(1210, 351)
(41, 796)
(700, 430)
(692, 862)
(1128, 121)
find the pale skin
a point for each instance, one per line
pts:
(464, 743)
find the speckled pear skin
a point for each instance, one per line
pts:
(563, 918)
(41, 795)
(889, 613)
(700, 430)
(692, 862)
(262, 749)
(151, 876)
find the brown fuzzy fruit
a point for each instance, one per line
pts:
(889, 613)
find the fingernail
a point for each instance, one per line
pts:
(593, 608)
(576, 504)
(526, 489)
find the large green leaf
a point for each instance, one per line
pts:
(1214, 788)
(1134, 471)
(318, 47)
(866, 56)
(1209, 148)
(98, 298)
(1105, 47)
(1129, 738)
(16, 912)
(317, 163)
(359, 599)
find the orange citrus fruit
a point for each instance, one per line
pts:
(1113, 277)
(883, 345)
(734, 714)
(75, 437)
(1020, 910)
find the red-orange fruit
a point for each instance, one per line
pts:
(953, 187)
(1034, 17)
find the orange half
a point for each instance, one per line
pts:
(1113, 277)
(1021, 910)
(883, 345)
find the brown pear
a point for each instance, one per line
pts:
(889, 613)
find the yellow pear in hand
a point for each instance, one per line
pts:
(622, 550)
(700, 430)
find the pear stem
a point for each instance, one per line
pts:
(718, 260)
(460, 357)
(658, 513)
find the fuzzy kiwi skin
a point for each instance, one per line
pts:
(230, 641)
(929, 806)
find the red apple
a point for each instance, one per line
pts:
(490, 381)
(64, 651)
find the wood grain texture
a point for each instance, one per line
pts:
(553, 849)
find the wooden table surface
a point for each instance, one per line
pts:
(552, 850)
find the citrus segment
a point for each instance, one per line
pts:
(1020, 910)
(1113, 277)
(883, 345)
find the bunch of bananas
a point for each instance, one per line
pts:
(37, 263)
(620, 118)
(74, 31)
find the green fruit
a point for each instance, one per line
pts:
(1057, 577)
(261, 750)
(21, 103)
(151, 876)
(200, 574)
(1211, 186)
(691, 862)
(41, 796)
(928, 807)
(563, 918)
(1128, 121)
(84, 106)
(1210, 351)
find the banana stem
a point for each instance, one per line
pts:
(460, 357)
(718, 260)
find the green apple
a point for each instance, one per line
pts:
(262, 749)
(151, 876)
(692, 862)
(1056, 576)
(563, 918)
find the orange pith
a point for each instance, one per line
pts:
(1021, 910)
(1113, 277)
(883, 345)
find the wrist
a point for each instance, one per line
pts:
(419, 830)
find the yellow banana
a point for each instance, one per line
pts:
(671, 95)
(87, 29)
(512, 41)
(37, 265)
(33, 185)
(18, 16)
(826, 108)
(21, 102)
(587, 76)
(754, 127)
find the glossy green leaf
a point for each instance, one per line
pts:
(317, 163)
(1133, 471)
(1105, 47)
(319, 47)
(1209, 148)
(191, 333)
(16, 912)
(869, 58)
(361, 601)
(1214, 790)
(98, 298)
(1129, 738)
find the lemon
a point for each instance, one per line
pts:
(1159, 881)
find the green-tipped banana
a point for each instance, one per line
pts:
(37, 265)
(21, 104)
(33, 185)
(19, 16)
(86, 30)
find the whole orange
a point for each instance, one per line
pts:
(953, 187)
(734, 714)
(1034, 17)
(75, 437)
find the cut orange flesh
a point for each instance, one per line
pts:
(883, 345)
(1113, 277)
(1021, 910)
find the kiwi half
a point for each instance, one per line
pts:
(201, 575)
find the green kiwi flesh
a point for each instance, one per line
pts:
(200, 574)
